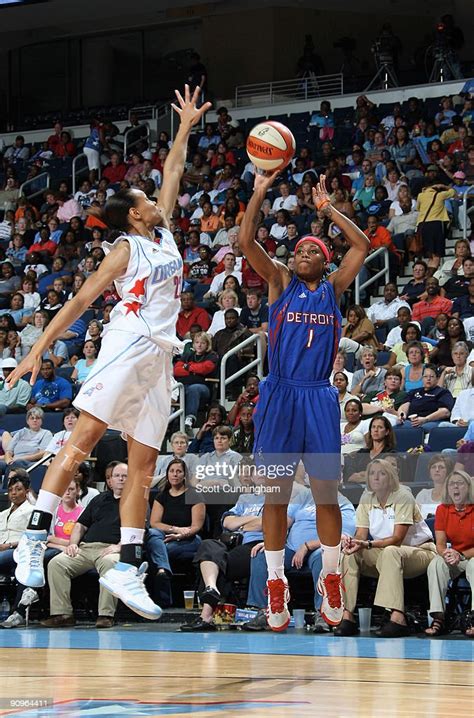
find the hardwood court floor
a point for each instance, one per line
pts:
(151, 673)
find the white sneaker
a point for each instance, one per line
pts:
(28, 597)
(29, 555)
(13, 621)
(278, 615)
(332, 607)
(126, 582)
(188, 426)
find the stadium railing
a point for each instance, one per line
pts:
(382, 251)
(257, 363)
(301, 88)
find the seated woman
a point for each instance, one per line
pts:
(441, 355)
(83, 367)
(353, 430)
(386, 402)
(455, 548)
(428, 406)
(249, 395)
(63, 522)
(177, 516)
(70, 417)
(179, 446)
(14, 520)
(220, 563)
(412, 373)
(86, 492)
(401, 546)
(32, 332)
(203, 442)
(439, 467)
(243, 434)
(370, 377)
(341, 382)
(359, 328)
(340, 365)
(379, 440)
(196, 363)
(410, 333)
(227, 299)
(460, 376)
(28, 444)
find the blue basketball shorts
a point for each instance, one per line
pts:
(298, 420)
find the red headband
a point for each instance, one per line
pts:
(317, 241)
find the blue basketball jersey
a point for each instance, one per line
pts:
(304, 332)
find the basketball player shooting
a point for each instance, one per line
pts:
(129, 387)
(298, 411)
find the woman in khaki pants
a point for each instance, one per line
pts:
(401, 546)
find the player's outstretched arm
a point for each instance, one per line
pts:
(174, 166)
(271, 271)
(359, 244)
(112, 267)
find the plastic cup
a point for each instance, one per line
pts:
(298, 615)
(188, 600)
(412, 416)
(365, 618)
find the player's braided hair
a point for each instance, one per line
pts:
(115, 212)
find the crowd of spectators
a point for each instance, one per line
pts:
(405, 359)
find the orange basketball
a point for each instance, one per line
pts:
(270, 145)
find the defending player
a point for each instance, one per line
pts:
(129, 388)
(298, 412)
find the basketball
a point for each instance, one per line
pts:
(270, 145)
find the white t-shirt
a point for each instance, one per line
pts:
(57, 442)
(287, 203)
(426, 503)
(219, 279)
(469, 327)
(398, 210)
(218, 321)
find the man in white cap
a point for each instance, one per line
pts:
(15, 399)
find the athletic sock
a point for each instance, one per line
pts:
(331, 556)
(47, 502)
(131, 541)
(275, 562)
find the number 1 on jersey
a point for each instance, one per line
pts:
(310, 338)
(177, 287)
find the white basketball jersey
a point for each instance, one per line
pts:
(149, 289)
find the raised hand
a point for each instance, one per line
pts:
(320, 194)
(266, 179)
(31, 363)
(186, 107)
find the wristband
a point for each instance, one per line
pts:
(306, 544)
(323, 203)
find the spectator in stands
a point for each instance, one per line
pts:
(429, 405)
(458, 286)
(177, 517)
(403, 150)
(83, 367)
(14, 520)
(243, 434)
(94, 544)
(203, 442)
(454, 265)
(248, 396)
(302, 555)
(386, 402)
(28, 444)
(339, 364)
(441, 355)
(51, 304)
(359, 328)
(432, 219)
(353, 430)
(218, 281)
(116, 169)
(403, 226)
(460, 376)
(221, 564)
(210, 137)
(439, 468)
(455, 549)
(17, 311)
(383, 313)
(416, 287)
(463, 410)
(31, 333)
(444, 117)
(93, 147)
(412, 372)
(50, 392)
(31, 299)
(228, 299)
(55, 138)
(209, 220)
(179, 443)
(426, 310)
(9, 283)
(278, 230)
(65, 147)
(18, 152)
(16, 252)
(380, 440)
(15, 399)
(363, 198)
(341, 381)
(401, 546)
(378, 237)
(370, 377)
(286, 201)
(255, 315)
(410, 333)
(196, 364)
(189, 315)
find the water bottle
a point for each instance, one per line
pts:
(4, 609)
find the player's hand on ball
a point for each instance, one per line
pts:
(264, 180)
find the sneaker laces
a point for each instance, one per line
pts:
(28, 597)
(135, 582)
(35, 548)
(332, 584)
(277, 594)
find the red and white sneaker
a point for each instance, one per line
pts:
(278, 615)
(330, 588)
